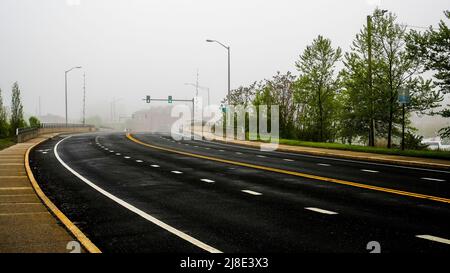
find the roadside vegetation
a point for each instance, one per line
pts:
(357, 107)
(12, 118)
(367, 149)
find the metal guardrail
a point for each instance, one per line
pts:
(63, 125)
(26, 130)
(24, 134)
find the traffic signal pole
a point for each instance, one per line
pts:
(148, 99)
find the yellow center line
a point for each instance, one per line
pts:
(294, 173)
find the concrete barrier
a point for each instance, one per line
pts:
(25, 134)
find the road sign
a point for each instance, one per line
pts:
(403, 96)
(169, 99)
(148, 99)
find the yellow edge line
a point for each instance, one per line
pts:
(87, 244)
(326, 179)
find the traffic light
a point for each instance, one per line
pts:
(148, 99)
(169, 99)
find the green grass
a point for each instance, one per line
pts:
(6, 142)
(377, 150)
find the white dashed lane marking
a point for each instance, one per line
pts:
(207, 180)
(251, 192)
(325, 165)
(176, 172)
(288, 160)
(118, 154)
(261, 156)
(434, 238)
(126, 157)
(238, 153)
(139, 161)
(321, 211)
(136, 210)
(369, 171)
(432, 179)
(155, 166)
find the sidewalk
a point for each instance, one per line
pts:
(26, 225)
(418, 162)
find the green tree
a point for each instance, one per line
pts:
(392, 70)
(317, 88)
(279, 90)
(432, 48)
(17, 120)
(4, 127)
(34, 122)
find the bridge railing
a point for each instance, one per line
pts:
(24, 134)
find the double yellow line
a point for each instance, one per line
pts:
(305, 175)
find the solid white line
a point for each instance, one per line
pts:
(176, 172)
(434, 238)
(325, 165)
(321, 211)
(433, 179)
(289, 160)
(207, 180)
(139, 212)
(155, 166)
(369, 171)
(251, 192)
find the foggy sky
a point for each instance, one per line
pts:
(131, 48)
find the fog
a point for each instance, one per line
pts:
(129, 49)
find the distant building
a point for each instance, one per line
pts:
(156, 119)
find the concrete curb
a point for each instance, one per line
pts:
(376, 159)
(70, 226)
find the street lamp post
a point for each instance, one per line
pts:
(369, 72)
(229, 69)
(65, 81)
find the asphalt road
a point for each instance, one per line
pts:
(127, 197)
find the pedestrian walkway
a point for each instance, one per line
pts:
(419, 162)
(26, 225)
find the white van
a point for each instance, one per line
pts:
(437, 144)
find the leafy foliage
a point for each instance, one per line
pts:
(17, 120)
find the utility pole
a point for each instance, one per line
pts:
(370, 80)
(84, 99)
(369, 71)
(196, 85)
